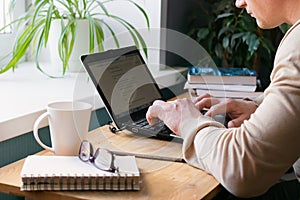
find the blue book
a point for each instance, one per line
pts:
(207, 75)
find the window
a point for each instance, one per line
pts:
(5, 16)
(8, 35)
(28, 91)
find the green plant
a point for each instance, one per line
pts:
(37, 21)
(232, 37)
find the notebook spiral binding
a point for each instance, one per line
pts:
(81, 182)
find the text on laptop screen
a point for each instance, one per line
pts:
(125, 83)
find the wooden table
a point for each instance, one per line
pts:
(160, 179)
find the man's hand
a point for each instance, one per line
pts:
(172, 113)
(237, 109)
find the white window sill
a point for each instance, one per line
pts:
(26, 92)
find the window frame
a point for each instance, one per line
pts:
(9, 38)
(5, 17)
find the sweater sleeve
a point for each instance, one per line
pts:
(249, 159)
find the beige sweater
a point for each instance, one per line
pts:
(250, 159)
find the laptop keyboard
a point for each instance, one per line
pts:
(158, 130)
(158, 127)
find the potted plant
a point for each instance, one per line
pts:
(43, 14)
(233, 39)
(231, 35)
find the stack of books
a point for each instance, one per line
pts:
(223, 82)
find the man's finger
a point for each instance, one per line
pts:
(216, 110)
(203, 96)
(154, 113)
(206, 102)
(203, 103)
(158, 102)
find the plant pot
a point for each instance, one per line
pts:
(81, 45)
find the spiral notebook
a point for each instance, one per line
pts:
(70, 173)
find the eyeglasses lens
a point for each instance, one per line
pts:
(103, 159)
(85, 151)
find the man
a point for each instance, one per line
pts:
(263, 138)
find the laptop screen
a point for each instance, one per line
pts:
(124, 83)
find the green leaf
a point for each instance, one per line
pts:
(67, 4)
(19, 20)
(134, 34)
(234, 37)
(218, 50)
(112, 33)
(102, 7)
(224, 15)
(99, 36)
(226, 42)
(38, 50)
(71, 43)
(253, 42)
(142, 41)
(63, 46)
(284, 27)
(48, 24)
(222, 30)
(143, 11)
(66, 43)
(202, 34)
(37, 10)
(91, 33)
(20, 47)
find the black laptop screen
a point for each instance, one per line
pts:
(124, 84)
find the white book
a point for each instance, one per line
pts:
(221, 87)
(229, 94)
(213, 79)
(70, 173)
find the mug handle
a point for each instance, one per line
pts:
(36, 131)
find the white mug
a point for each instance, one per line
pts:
(68, 123)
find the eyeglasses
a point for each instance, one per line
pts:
(102, 159)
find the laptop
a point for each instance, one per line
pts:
(127, 89)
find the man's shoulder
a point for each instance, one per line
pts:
(292, 35)
(289, 45)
